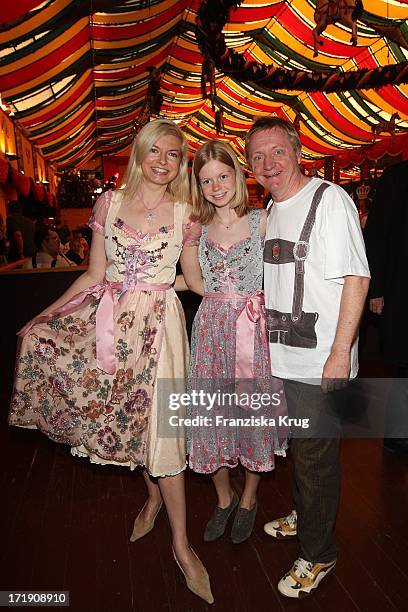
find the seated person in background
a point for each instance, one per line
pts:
(83, 244)
(47, 250)
(75, 251)
(20, 232)
(65, 236)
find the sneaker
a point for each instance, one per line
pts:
(282, 527)
(218, 521)
(303, 578)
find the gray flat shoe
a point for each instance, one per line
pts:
(218, 521)
(243, 524)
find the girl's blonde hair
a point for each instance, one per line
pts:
(217, 150)
(144, 141)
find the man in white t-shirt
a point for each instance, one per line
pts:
(47, 254)
(316, 282)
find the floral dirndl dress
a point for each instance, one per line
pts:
(88, 373)
(230, 362)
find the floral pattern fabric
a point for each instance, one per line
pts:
(59, 387)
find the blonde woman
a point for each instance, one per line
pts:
(90, 365)
(229, 349)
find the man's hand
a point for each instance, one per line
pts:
(376, 305)
(336, 371)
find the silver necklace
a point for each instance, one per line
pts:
(150, 215)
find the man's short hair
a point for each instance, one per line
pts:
(268, 123)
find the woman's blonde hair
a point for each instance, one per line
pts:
(217, 150)
(144, 141)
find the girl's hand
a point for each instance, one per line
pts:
(180, 284)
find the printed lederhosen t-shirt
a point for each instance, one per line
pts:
(336, 250)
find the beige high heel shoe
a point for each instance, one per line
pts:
(141, 527)
(199, 586)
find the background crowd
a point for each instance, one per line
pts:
(42, 243)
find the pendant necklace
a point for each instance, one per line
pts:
(223, 224)
(150, 215)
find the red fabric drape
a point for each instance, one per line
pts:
(21, 182)
(397, 145)
(10, 11)
(38, 192)
(4, 170)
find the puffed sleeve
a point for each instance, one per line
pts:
(99, 213)
(191, 233)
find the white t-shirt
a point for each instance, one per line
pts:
(336, 250)
(44, 260)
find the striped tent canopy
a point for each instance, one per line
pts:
(76, 72)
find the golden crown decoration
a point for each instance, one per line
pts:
(362, 191)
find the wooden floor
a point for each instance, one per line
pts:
(65, 525)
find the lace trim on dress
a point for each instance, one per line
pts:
(191, 234)
(218, 246)
(95, 226)
(93, 458)
(136, 234)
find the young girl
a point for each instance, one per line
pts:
(89, 365)
(229, 346)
